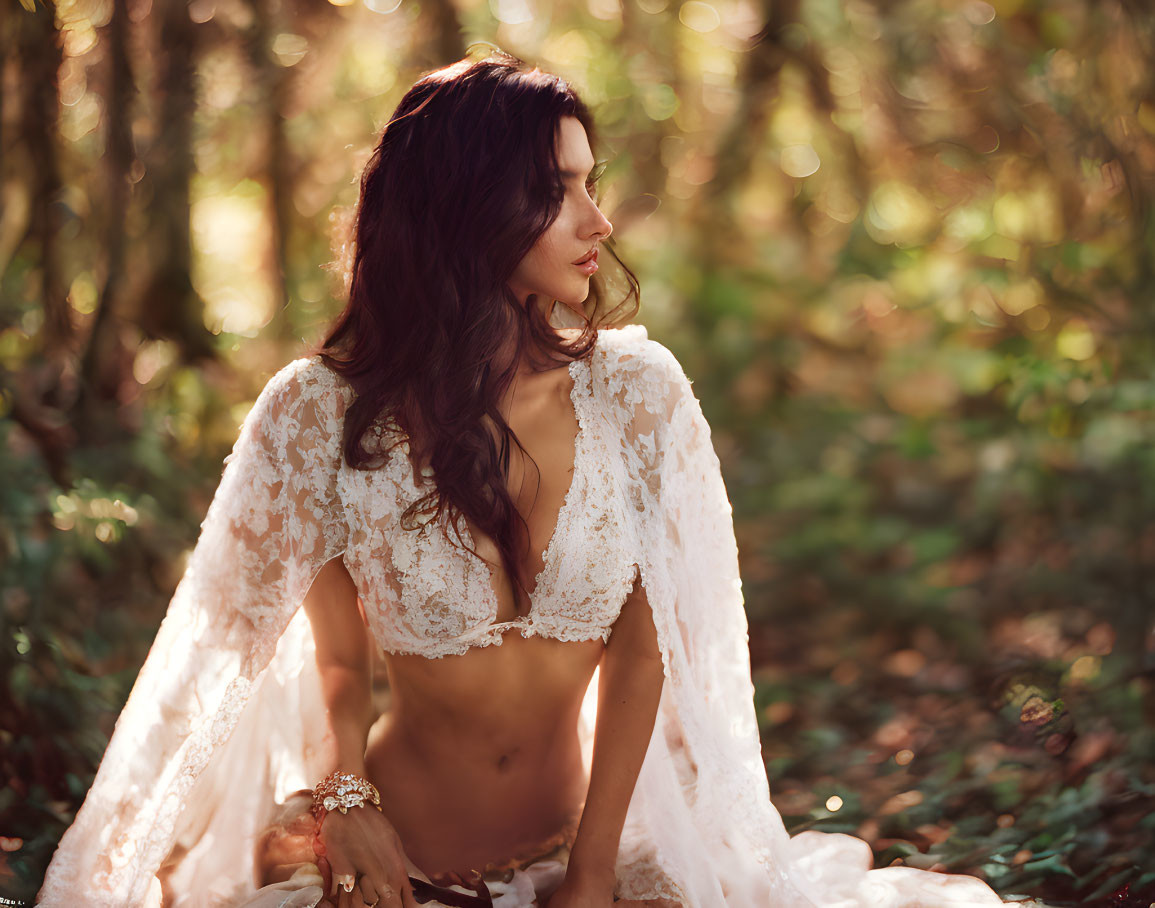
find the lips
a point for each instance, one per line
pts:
(592, 256)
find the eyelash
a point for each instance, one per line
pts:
(592, 182)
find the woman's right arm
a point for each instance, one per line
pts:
(361, 841)
(343, 661)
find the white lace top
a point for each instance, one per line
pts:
(223, 720)
(425, 594)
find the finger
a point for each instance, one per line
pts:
(390, 896)
(357, 899)
(326, 869)
(408, 900)
(398, 890)
(338, 867)
(344, 878)
(377, 890)
(367, 892)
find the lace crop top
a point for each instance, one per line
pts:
(423, 593)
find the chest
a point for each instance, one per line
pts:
(425, 594)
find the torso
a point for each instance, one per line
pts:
(479, 756)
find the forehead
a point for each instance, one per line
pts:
(573, 146)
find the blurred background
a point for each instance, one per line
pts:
(905, 250)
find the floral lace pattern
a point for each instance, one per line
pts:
(423, 594)
(274, 522)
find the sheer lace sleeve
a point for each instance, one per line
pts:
(274, 521)
(679, 842)
(701, 828)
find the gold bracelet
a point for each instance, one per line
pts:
(342, 790)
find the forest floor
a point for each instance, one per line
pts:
(989, 763)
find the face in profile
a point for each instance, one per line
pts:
(549, 269)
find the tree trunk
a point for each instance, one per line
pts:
(107, 360)
(39, 58)
(171, 308)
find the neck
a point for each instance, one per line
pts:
(532, 360)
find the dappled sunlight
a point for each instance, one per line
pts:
(905, 254)
(230, 244)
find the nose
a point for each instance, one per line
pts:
(600, 223)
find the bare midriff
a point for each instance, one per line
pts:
(479, 759)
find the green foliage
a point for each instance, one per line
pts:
(904, 251)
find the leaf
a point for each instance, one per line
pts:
(1052, 864)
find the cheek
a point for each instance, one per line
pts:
(548, 248)
(548, 258)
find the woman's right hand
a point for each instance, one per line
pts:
(364, 843)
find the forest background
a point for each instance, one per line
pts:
(905, 250)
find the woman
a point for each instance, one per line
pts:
(428, 483)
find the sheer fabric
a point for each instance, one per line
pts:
(226, 721)
(423, 595)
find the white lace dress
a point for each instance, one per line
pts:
(222, 722)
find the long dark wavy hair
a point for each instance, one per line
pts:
(461, 185)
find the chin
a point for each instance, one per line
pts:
(576, 297)
(573, 297)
